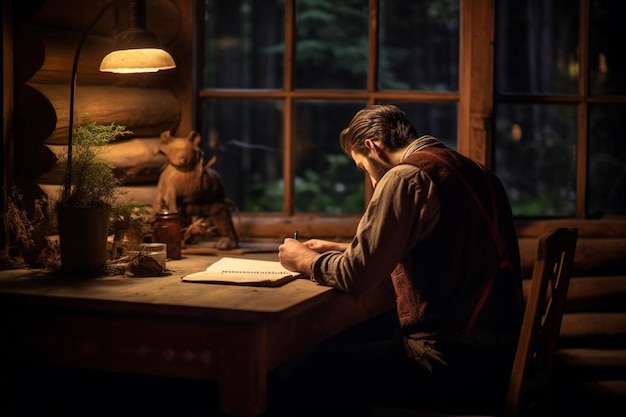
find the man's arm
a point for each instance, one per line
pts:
(319, 245)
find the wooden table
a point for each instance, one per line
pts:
(161, 326)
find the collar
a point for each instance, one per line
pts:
(419, 144)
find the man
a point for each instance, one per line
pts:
(440, 225)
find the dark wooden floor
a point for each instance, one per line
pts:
(45, 391)
(74, 393)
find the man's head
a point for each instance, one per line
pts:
(374, 137)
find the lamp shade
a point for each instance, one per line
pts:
(128, 61)
(137, 49)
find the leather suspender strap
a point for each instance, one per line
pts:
(492, 223)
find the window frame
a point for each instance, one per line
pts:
(289, 94)
(475, 99)
(582, 99)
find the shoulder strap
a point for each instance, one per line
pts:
(492, 223)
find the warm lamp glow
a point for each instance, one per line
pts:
(128, 61)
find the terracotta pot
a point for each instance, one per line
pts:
(83, 235)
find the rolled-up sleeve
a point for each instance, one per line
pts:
(403, 210)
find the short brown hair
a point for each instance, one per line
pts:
(386, 123)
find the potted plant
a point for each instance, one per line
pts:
(129, 220)
(28, 244)
(90, 190)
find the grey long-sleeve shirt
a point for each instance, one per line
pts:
(403, 210)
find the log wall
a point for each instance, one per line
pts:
(47, 36)
(590, 365)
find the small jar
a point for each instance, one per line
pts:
(167, 230)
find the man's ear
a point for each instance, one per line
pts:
(373, 146)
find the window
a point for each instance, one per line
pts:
(282, 78)
(560, 111)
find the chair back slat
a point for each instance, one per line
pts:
(531, 377)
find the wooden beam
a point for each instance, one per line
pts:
(476, 79)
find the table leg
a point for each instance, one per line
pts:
(243, 372)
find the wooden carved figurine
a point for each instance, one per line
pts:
(196, 191)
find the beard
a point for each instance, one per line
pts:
(377, 167)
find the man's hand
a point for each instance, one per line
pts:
(297, 257)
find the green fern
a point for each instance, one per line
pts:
(93, 181)
(130, 213)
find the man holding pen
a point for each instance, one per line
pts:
(440, 227)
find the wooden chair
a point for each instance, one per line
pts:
(529, 386)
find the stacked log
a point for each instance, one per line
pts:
(590, 365)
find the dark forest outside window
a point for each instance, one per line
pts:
(251, 84)
(560, 111)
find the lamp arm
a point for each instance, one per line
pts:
(68, 170)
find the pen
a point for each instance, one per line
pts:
(295, 235)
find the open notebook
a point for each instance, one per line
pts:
(242, 271)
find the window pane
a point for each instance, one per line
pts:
(606, 182)
(244, 44)
(607, 56)
(534, 148)
(435, 119)
(327, 181)
(331, 44)
(537, 46)
(246, 136)
(419, 45)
